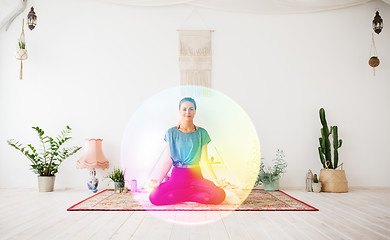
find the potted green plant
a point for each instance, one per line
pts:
(46, 161)
(332, 179)
(270, 175)
(316, 184)
(21, 52)
(117, 176)
(374, 61)
(21, 44)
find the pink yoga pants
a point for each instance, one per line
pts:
(187, 185)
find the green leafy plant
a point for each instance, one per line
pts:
(324, 149)
(46, 160)
(117, 175)
(271, 173)
(315, 179)
(22, 44)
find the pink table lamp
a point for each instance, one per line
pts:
(92, 158)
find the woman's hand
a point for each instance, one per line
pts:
(219, 183)
(223, 183)
(152, 184)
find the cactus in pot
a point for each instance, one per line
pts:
(316, 184)
(324, 149)
(331, 178)
(315, 179)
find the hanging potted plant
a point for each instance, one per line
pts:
(374, 60)
(45, 162)
(270, 175)
(332, 179)
(21, 52)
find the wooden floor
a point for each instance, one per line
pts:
(359, 214)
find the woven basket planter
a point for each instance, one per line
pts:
(333, 180)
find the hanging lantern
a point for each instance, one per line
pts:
(21, 51)
(377, 23)
(309, 181)
(31, 19)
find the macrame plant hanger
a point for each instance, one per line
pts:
(374, 60)
(21, 52)
(195, 57)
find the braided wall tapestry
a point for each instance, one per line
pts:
(195, 57)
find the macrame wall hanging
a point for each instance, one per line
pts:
(21, 51)
(195, 57)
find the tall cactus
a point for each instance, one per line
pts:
(324, 149)
(336, 145)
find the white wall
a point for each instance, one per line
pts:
(91, 65)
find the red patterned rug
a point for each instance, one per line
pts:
(257, 200)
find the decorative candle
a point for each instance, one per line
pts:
(133, 185)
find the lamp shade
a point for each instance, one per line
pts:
(93, 156)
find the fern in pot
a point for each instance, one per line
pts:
(46, 160)
(270, 175)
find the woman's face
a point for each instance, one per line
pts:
(187, 111)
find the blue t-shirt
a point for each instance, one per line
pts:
(186, 148)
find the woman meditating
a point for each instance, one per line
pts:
(187, 147)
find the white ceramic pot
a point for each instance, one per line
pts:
(46, 183)
(317, 187)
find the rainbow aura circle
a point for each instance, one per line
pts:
(234, 149)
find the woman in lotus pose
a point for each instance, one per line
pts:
(187, 147)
